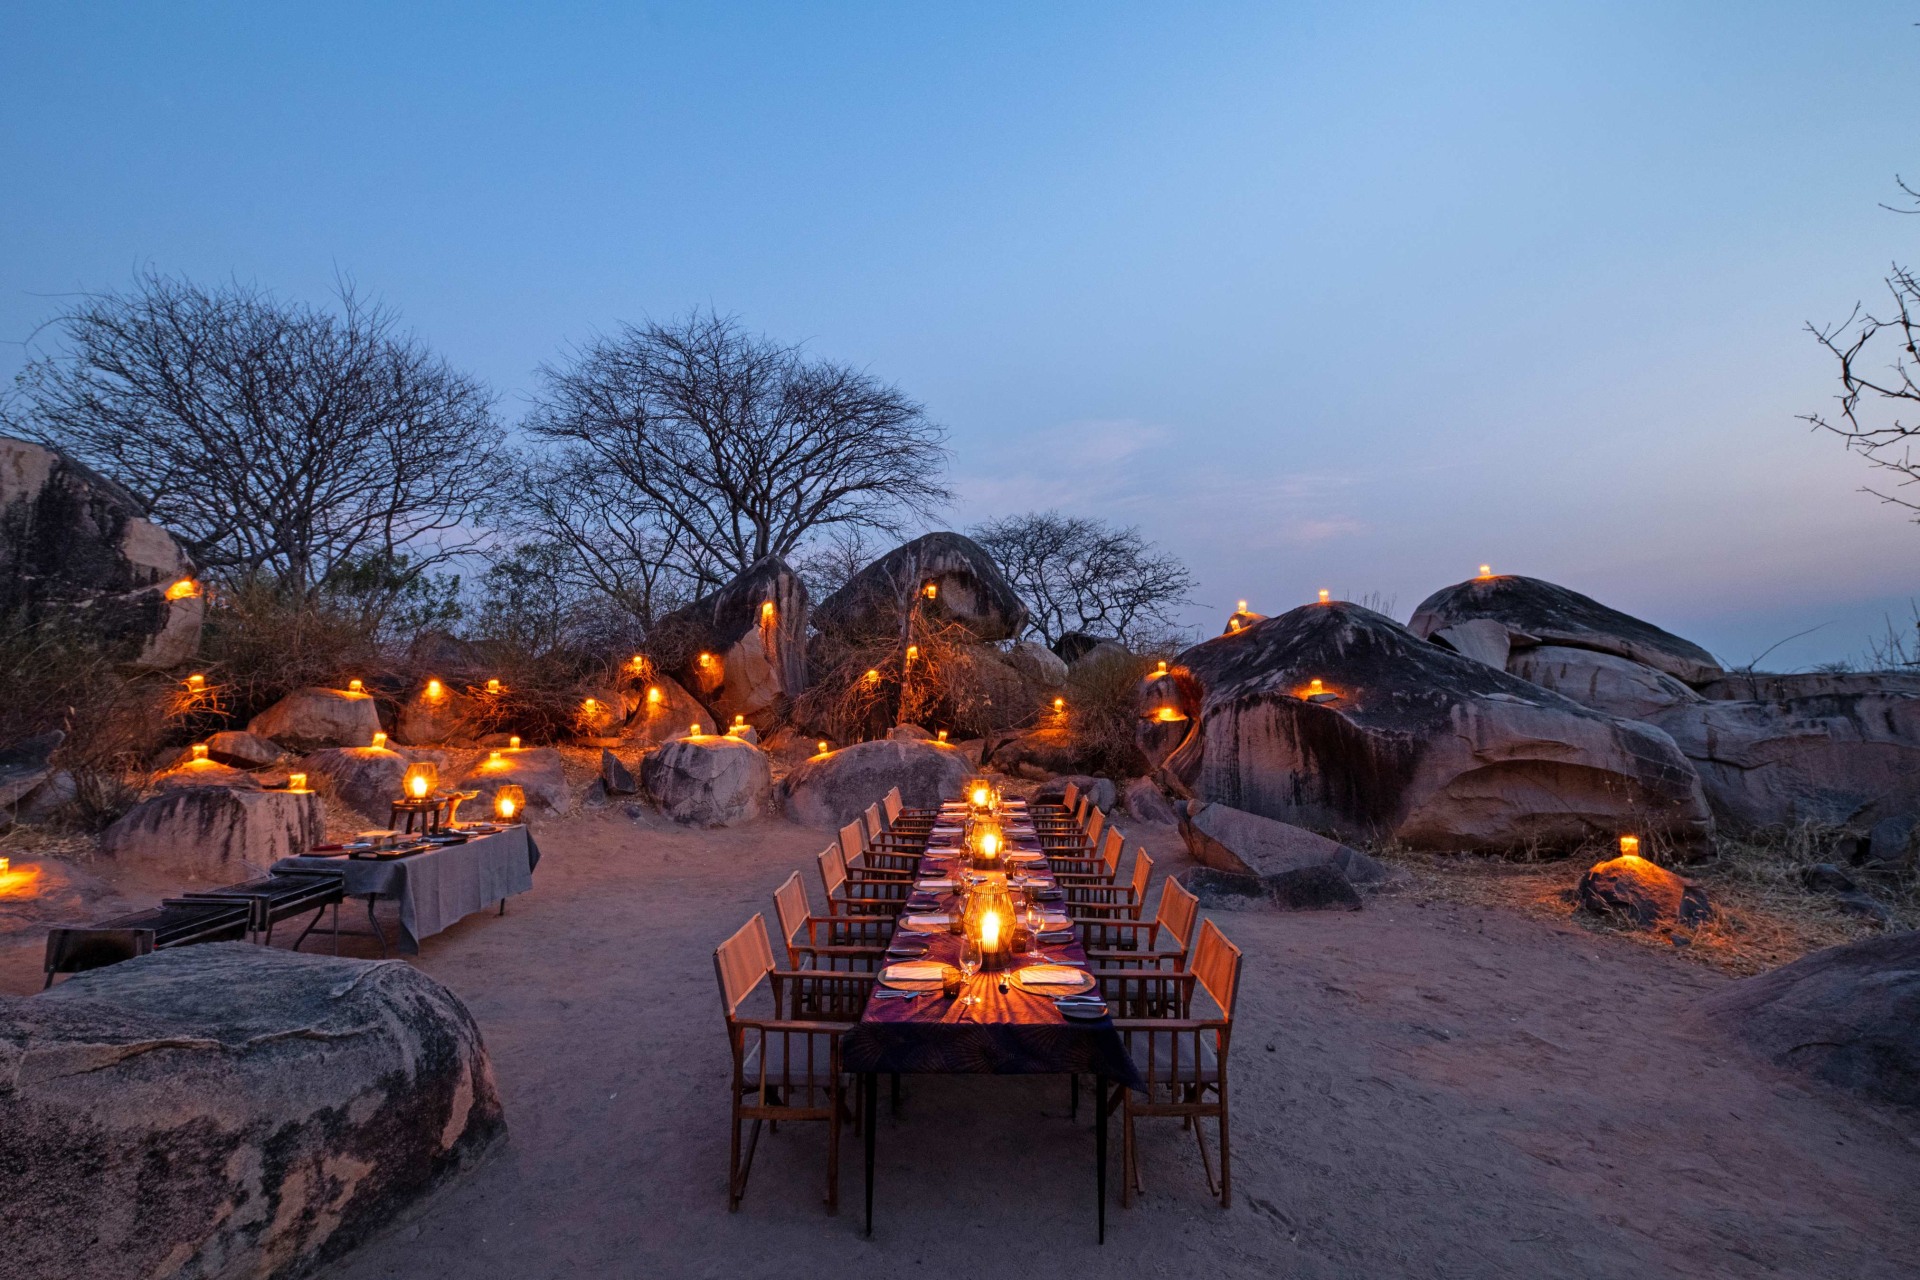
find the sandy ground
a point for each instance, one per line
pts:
(1419, 1090)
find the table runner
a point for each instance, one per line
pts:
(1010, 1033)
(440, 886)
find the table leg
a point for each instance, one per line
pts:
(1100, 1153)
(378, 933)
(870, 1109)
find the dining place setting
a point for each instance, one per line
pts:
(981, 935)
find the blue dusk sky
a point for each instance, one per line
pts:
(1348, 295)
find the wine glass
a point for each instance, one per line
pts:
(1036, 921)
(970, 957)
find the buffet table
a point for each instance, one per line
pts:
(436, 887)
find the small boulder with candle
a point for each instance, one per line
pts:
(712, 780)
(835, 788)
(367, 779)
(436, 712)
(660, 710)
(1630, 889)
(742, 650)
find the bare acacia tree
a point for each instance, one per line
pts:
(1085, 575)
(738, 446)
(1878, 359)
(612, 544)
(279, 441)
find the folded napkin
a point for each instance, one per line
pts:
(1049, 975)
(931, 885)
(916, 971)
(933, 922)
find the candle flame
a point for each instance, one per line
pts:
(1326, 596)
(184, 589)
(513, 742)
(990, 931)
(493, 686)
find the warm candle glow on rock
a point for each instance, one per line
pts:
(184, 589)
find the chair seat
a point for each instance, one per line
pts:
(1189, 1070)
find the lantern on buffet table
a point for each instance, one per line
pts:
(420, 780)
(510, 802)
(990, 920)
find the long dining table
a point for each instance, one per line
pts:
(1007, 1028)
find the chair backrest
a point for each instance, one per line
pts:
(1216, 963)
(1110, 854)
(1142, 876)
(893, 804)
(1069, 796)
(790, 904)
(833, 870)
(874, 825)
(853, 839)
(1080, 810)
(742, 962)
(1178, 909)
(1095, 825)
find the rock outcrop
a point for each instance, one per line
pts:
(743, 649)
(216, 834)
(615, 777)
(663, 710)
(231, 1110)
(1535, 612)
(25, 766)
(968, 588)
(1245, 844)
(833, 789)
(709, 781)
(1147, 803)
(309, 718)
(243, 750)
(1039, 664)
(1406, 740)
(1617, 686)
(77, 547)
(1848, 1015)
(432, 717)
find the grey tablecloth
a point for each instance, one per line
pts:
(438, 887)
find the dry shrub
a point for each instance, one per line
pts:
(56, 677)
(541, 692)
(261, 644)
(1103, 706)
(863, 685)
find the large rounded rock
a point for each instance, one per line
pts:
(834, 789)
(538, 770)
(231, 1110)
(313, 717)
(243, 750)
(709, 781)
(366, 779)
(1246, 844)
(742, 649)
(431, 717)
(217, 834)
(1405, 740)
(1849, 1015)
(1039, 664)
(1836, 759)
(26, 765)
(968, 588)
(190, 773)
(1618, 686)
(77, 546)
(1537, 612)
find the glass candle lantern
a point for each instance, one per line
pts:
(510, 802)
(421, 779)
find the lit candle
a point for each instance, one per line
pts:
(5, 864)
(184, 589)
(1161, 669)
(296, 782)
(990, 931)
(199, 751)
(913, 651)
(379, 742)
(509, 801)
(653, 696)
(873, 675)
(931, 590)
(766, 611)
(196, 682)
(1325, 595)
(591, 706)
(1629, 846)
(421, 778)
(943, 735)
(513, 742)
(1486, 571)
(1315, 686)
(696, 728)
(989, 844)
(355, 686)
(1243, 606)
(1059, 704)
(435, 689)
(493, 757)
(419, 788)
(493, 686)
(822, 744)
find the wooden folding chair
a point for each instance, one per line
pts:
(830, 943)
(891, 849)
(866, 863)
(851, 898)
(1181, 1059)
(1091, 903)
(901, 818)
(784, 1067)
(1082, 842)
(1135, 944)
(1101, 868)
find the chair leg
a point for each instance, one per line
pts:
(1226, 1168)
(733, 1165)
(1129, 1166)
